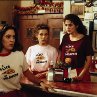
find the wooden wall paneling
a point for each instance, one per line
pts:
(56, 25)
(28, 22)
(26, 30)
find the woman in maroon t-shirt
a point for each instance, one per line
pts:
(76, 49)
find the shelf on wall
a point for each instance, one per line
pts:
(49, 8)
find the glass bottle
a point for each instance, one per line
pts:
(50, 74)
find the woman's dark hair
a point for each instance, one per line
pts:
(76, 21)
(17, 45)
(42, 26)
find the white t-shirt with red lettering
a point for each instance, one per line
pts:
(12, 67)
(39, 57)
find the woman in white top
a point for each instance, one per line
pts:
(13, 64)
(40, 55)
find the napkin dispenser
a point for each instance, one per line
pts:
(58, 74)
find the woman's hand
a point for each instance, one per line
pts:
(77, 78)
(37, 81)
(46, 87)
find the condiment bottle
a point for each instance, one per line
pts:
(50, 74)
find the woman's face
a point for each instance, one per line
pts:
(42, 37)
(70, 27)
(8, 40)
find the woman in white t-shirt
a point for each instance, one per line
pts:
(13, 64)
(40, 55)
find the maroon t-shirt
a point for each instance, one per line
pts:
(76, 51)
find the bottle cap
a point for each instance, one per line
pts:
(52, 62)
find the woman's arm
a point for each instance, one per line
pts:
(59, 57)
(86, 68)
(37, 81)
(31, 77)
(41, 74)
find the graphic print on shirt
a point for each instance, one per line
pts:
(7, 72)
(70, 51)
(40, 58)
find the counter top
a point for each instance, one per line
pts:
(79, 89)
